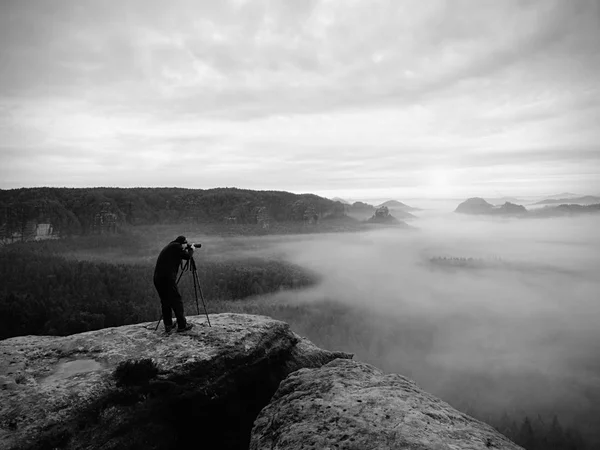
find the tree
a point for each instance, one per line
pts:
(526, 436)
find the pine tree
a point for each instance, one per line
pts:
(526, 436)
(556, 437)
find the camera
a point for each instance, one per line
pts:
(194, 245)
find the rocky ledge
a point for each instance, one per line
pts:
(134, 387)
(246, 382)
(352, 405)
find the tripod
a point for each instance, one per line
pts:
(190, 265)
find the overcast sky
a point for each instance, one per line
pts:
(357, 99)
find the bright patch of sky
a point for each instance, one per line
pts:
(358, 99)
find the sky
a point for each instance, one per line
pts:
(354, 99)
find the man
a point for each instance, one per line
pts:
(165, 281)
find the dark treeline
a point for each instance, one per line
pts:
(73, 211)
(539, 435)
(46, 293)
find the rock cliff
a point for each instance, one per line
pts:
(352, 405)
(134, 387)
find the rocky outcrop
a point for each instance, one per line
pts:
(509, 208)
(478, 205)
(395, 205)
(216, 387)
(382, 216)
(352, 405)
(475, 205)
(134, 387)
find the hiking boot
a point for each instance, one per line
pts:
(188, 327)
(169, 328)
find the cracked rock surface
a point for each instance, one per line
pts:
(62, 392)
(352, 405)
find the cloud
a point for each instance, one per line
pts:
(393, 78)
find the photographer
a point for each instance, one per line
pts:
(165, 281)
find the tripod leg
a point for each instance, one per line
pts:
(158, 322)
(203, 303)
(196, 285)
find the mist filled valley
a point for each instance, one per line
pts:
(497, 316)
(494, 316)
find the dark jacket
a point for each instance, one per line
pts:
(169, 260)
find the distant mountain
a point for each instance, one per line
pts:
(584, 200)
(478, 205)
(502, 200)
(475, 205)
(362, 205)
(364, 211)
(341, 200)
(395, 205)
(382, 216)
(510, 208)
(564, 195)
(564, 210)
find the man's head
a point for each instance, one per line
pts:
(181, 240)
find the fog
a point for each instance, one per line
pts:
(516, 329)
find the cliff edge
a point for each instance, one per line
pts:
(246, 382)
(352, 405)
(134, 387)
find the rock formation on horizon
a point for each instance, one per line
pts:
(135, 387)
(396, 205)
(475, 205)
(510, 208)
(478, 205)
(382, 216)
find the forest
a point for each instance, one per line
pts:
(46, 292)
(81, 211)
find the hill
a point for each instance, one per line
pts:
(365, 211)
(502, 200)
(43, 212)
(395, 204)
(564, 195)
(341, 200)
(382, 216)
(478, 206)
(565, 210)
(475, 205)
(584, 200)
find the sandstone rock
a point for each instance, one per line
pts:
(352, 405)
(207, 384)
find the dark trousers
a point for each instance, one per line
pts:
(170, 300)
